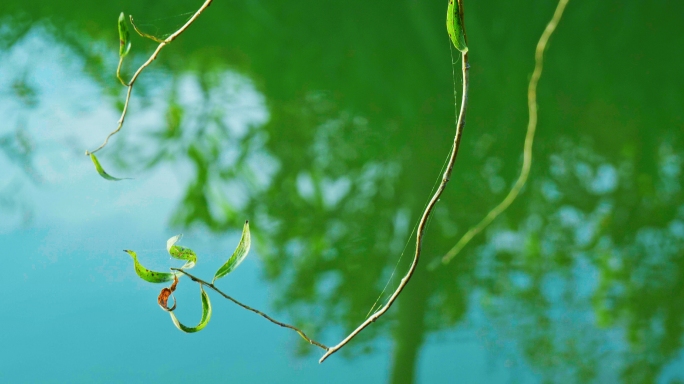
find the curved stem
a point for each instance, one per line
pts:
(529, 138)
(118, 72)
(162, 44)
(143, 34)
(426, 214)
(247, 307)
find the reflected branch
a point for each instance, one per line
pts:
(162, 44)
(428, 209)
(247, 307)
(529, 138)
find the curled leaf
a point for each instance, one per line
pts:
(148, 275)
(206, 315)
(124, 36)
(163, 298)
(182, 253)
(101, 171)
(455, 27)
(239, 254)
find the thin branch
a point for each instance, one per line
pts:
(118, 72)
(143, 34)
(162, 44)
(426, 214)
(213, 287)
(529, 138)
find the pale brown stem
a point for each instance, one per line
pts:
(143, 34)
(162, 44)
(529, 138)
(247, 307)
(426, 214)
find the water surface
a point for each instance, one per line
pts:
(326, 125)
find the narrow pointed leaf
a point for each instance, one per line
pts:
(148, 275)
(454, 26)
(239, 254)
(124, 36)
(182, 253)
(101, 170)
(206, 315)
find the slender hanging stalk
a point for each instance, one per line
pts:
(247, 307)
(162, 44)
(529, 138)
(428, 209)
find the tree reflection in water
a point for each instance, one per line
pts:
(331, 156)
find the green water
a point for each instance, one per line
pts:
(326, 125)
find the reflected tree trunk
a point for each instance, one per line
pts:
(410, 330)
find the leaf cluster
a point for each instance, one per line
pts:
(190, 257)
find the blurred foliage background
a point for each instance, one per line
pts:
(327, 123)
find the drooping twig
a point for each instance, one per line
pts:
(529, 138)
(247, 307)
(162, 44)
(426, 214)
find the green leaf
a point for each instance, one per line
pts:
(182, 253)
(148, 275)
(101, 171)
(206, 315)
(239, 254)
(124, 36)
(454, 26)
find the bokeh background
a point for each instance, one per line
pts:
(326, 124)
